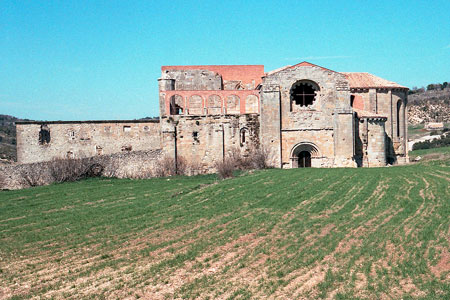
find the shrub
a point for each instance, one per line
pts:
(32, 175)
(166, 166)
(260, 158)
(63, 170)
(255, 159)
(225, 168)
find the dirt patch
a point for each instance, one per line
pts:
(443, 266)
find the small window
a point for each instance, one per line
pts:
(352, 99)
(195, 136)
(99, 150)
(126, 128)
(146, 128)
(127, 148)
(243, 136)
(71, 134)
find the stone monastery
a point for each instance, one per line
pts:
(303, 115)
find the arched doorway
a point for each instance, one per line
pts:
(302, 155)
(304, 159)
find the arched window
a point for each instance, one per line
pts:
(243, 136)
(303, 93)
(399, 105)
(352, 100)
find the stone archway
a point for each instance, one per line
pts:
(302, 155)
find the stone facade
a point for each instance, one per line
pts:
(43, 141)
(303, 115)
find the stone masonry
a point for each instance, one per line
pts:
(303, 115)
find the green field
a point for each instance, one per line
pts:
(380, 233)
(440, 153)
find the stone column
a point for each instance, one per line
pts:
(376, 142)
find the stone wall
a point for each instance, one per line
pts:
(204, 141)
(43, 141)
(370, 148)
(384, 101)
(327, 123)
(137, 164)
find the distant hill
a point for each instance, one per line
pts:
(429, 105)
(8, 137)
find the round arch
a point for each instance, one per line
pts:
(302, 153)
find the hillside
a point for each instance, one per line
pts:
(431, 105)
(379, 233)
(8, 137)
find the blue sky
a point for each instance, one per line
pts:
(85, 60)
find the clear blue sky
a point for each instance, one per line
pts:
(80, 60)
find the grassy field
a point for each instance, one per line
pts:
(443, 152)
(416, 131)
(380, 233)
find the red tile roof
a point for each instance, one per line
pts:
(367, 80)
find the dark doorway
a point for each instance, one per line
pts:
(304, 159)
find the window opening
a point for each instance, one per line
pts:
(195, 136)
(352, 99)
(175, 109)
(399, 104)
(99, 150)
(126, 128)
(70, 155)
(303, 93)
(243, 136)
(44, 135)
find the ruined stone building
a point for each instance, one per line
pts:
(303, 115)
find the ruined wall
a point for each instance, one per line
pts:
(83, 139)
(194, 79)
(187, 91)
(327, 123)
(204, 141)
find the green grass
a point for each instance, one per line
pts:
(416, 131)
(312, 233)
(431, 153)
